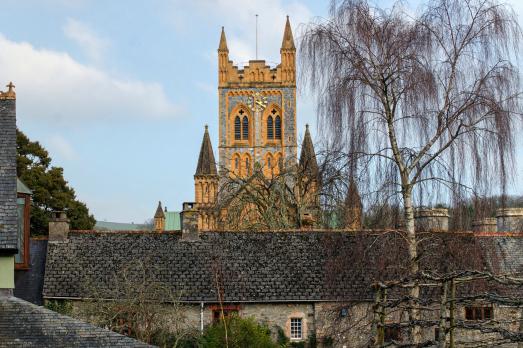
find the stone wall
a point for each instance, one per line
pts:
(335, 324)
(275, 316)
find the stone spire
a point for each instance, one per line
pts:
(308, 162)
(206, 162)
(159, 211)
(288, 40)
(353, 207)
(223, 42)
(159, 219)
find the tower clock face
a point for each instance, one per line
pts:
(257, 102)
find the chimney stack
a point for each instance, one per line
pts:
(484, 225)
(58, 227)
(189, 221)
(432, 219)
(510, 219)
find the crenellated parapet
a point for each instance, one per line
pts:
(258, 73)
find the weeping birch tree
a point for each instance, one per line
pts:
(426, 102)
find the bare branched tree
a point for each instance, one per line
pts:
(427, 105)
(133, 303)
(277, 200)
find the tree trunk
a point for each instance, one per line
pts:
(520, 344)
(378, 320)
(414, 314)
(442, 335)
(452, 314)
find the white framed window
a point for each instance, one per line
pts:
(296, 328)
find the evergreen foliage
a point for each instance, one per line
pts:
(50, 190)
(241, 332)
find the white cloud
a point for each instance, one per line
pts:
(59, 145)
(83, 36)
(53, 87)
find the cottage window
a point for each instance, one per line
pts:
(392, 333)
(296, 328)
(227, 310)
(22, 259)
(479, 313)
(227, 313)
(247, 166)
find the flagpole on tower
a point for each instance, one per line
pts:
(256, 37)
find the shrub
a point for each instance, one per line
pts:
(60, 306)
(241, 332)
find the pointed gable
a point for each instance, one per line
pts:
(223, 42)
(288, 40)
(308, 163)
(159, 212)
(206, 162)
(353, 199)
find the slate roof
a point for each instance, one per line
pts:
(23, 324)
(117, 226)
(206, 163)
(263, 267)
(29, 283)
(8, 207)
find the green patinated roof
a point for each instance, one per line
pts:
(117, 226)
(22, 188)
(172, 221)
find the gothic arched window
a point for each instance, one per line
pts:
(247, 166)
(237, 128)
(278, 127)
(235, 164)
(245, 128)
(270, 128)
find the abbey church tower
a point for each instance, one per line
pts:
(257, 127)
(257, 111)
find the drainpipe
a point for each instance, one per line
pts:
(201, 317)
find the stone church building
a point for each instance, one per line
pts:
(257, 131)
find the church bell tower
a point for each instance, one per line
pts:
(257, 111)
